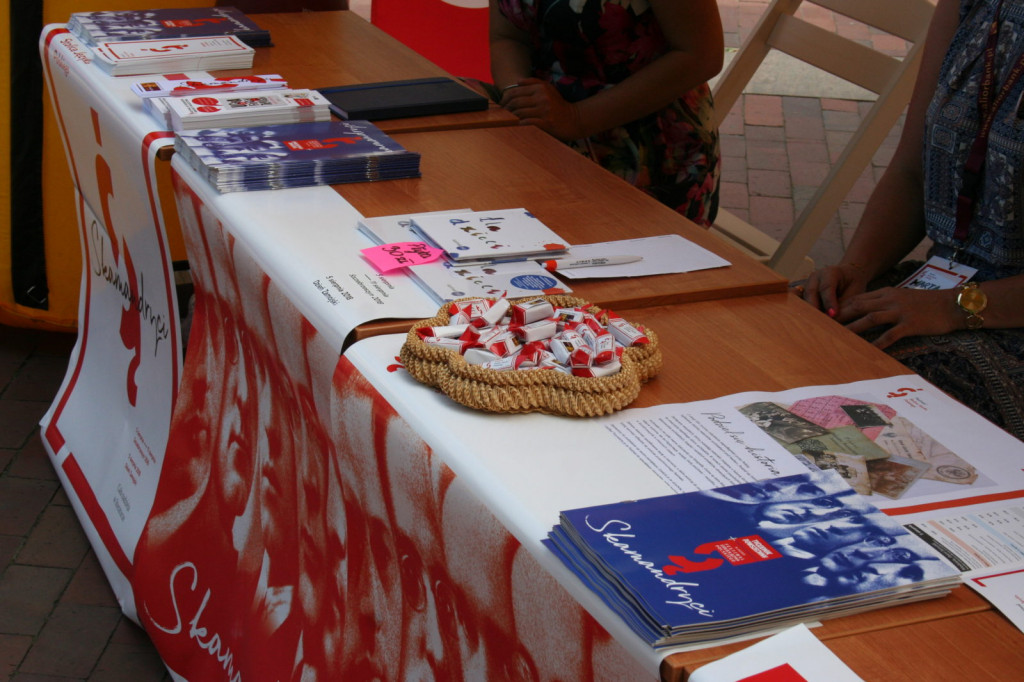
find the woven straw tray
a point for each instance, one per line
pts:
(550, 392)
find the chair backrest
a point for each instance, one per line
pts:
(890, 78)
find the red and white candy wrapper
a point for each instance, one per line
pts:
(451, 331)
(479, 356)
(624, 332)
(492, 315)
(607, 369)
(500, 341)
(531, 354)
(567, 317)
(601, 341)
(571, 349)
(531, 311)
(535, 331)
(458, 345)
(464, 312)
(593, 323)
(501, 364)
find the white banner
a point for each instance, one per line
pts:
(107, 428)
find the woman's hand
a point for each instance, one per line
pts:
(537, 102)
(907, 312)
(826, 287)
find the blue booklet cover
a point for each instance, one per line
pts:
(711, 564)
(155, 24)
(295, 155)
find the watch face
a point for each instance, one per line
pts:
(972, 299)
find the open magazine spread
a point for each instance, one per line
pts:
(947, 475)
(699, 566)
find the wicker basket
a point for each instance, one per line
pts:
(537, 391)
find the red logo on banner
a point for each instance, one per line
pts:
(131, 325)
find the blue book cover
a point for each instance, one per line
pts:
(157, 24)
(711, 564)
(295, 155)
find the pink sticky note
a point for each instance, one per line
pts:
(389, 257)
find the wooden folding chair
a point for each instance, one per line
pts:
(891, 79)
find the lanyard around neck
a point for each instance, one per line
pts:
(987, 108)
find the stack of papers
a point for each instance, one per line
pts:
(476, 237)
(93, 28)
(295, 155)
(135, 57)
(241, 109)
(179, 85)
(445, 281)
(709, 565)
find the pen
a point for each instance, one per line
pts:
(570, 263)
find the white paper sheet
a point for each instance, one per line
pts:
(790, 655)
(664, 254)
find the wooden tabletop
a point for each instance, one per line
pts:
(523, 167)
(958, 637)
(777, 342)
(753, 343)
(325, 49)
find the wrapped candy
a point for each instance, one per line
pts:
(624, 332)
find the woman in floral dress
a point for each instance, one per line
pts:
(624, 82)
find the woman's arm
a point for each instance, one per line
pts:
(510, 50)
(893, 220)
(893, 224)
(914, 312)
(695, 53)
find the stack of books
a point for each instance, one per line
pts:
(445, 281)
(704, 566)
(479, 237)
(243, 109)
(295, 155)
(93, 28)
(135, 57)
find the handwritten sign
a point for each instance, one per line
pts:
(388, 257)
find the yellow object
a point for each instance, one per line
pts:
(60, 230)
(972, 301)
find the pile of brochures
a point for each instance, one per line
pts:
(134, 57)
(240, 109)
(444, 280)
(110, 26)
(714, 564)
(295, 155)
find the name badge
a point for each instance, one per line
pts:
(939, 273)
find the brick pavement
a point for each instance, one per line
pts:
(777, 148)
(59, 620)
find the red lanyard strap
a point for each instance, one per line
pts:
(987, 108)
